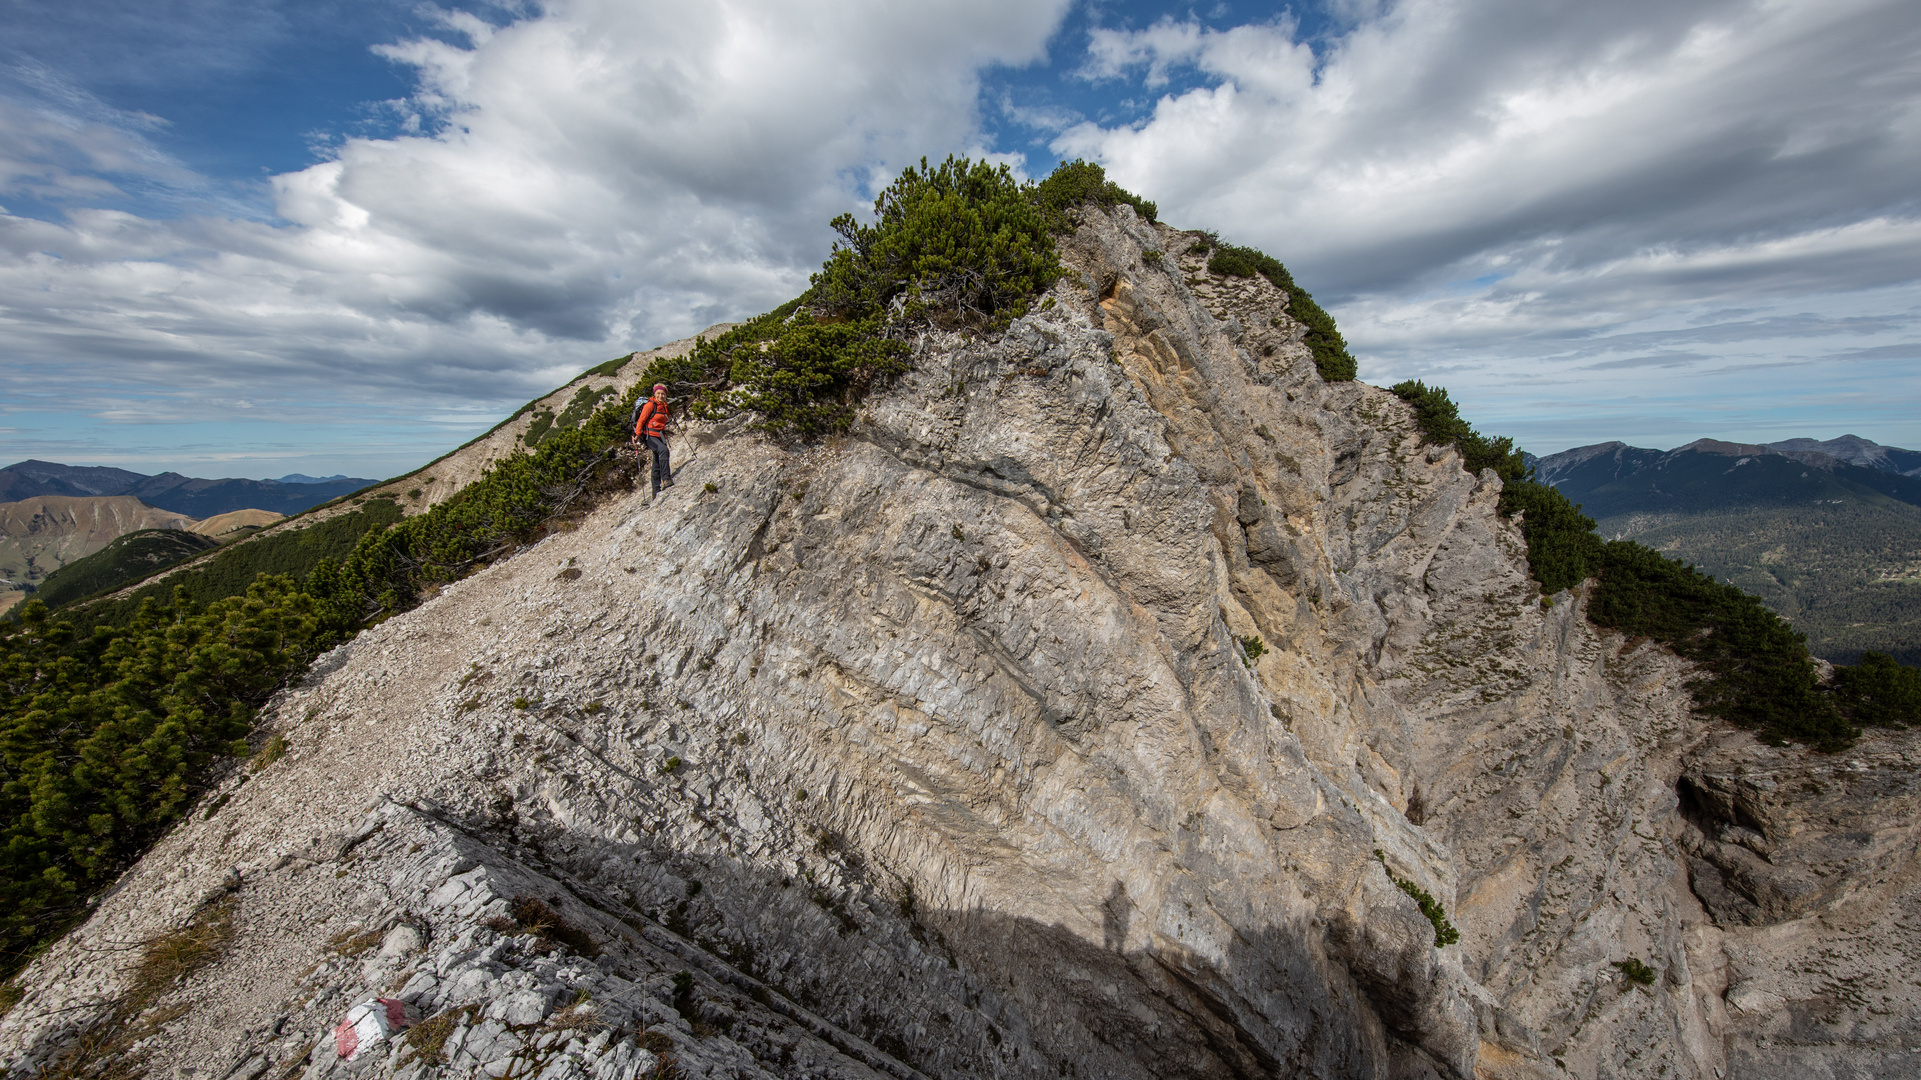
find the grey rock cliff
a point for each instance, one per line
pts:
(936, 751)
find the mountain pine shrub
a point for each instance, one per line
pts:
(1880, 691)
(1079, 183)
(108, 739)
(961, 245)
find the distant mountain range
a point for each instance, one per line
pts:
(1615, 478)
(187, 495)
(1827, 533)
(52, 515)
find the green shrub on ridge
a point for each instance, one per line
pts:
(1077, 183)
(961, 245)
(1880, 691)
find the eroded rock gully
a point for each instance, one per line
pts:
(934, 751)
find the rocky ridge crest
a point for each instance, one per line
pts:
(945, 749)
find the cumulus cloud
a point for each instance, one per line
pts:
(593, 177)
(1448, 135)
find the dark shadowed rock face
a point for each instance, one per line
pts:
(941, 750)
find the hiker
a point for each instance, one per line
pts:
(650, 427)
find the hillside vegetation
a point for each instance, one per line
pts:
(40, 534)
(1846, 575)
(294, 551)
(125, 560)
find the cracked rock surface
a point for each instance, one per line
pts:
(944, 749)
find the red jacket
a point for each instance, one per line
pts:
(653, 419)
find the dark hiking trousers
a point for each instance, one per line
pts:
(663, 473)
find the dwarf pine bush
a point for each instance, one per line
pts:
(961, 245)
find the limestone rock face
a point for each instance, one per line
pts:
(1096, 708)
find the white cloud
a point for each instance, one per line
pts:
(600, 176)
(58, 143)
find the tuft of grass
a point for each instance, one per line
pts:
(275, 749)
(670, 766)
(349, 944)
(531, 915)
(106, 1049)
(710, 487)
(428, 1039)
(579, 1016)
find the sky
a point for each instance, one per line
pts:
(254, 237)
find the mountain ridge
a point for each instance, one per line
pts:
(944, 749)
(39, 535)
(193, 496)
